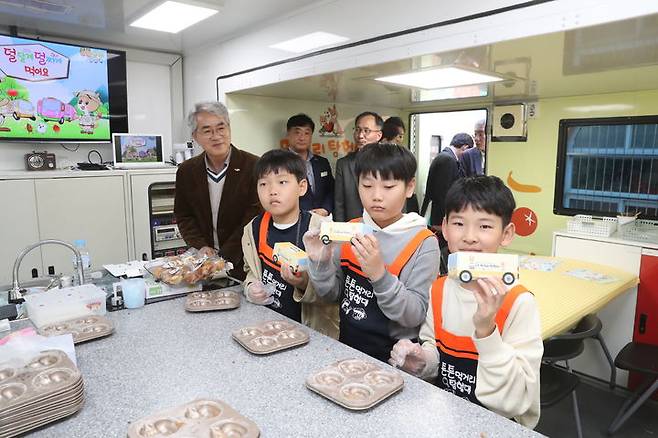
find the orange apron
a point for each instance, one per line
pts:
(458, 357)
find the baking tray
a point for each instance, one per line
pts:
(206, 301)
(270, 336)
(199, 418)
(82, 329)
(355, 384)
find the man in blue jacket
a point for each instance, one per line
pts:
(319, 197)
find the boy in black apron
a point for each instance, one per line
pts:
(281, 180)
(481, 340)
(380, 280)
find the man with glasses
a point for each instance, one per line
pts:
(347, 204)
(215, 191)
(473, 159)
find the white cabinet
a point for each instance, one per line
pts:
(18, 228)
(90, 208)
(617, 316)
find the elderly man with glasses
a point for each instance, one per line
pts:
(216, 190)
(347, 204)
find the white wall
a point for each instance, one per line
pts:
(155, 105)
(370, 18)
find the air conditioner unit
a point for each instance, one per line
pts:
(509, 123)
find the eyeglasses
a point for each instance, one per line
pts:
(211, 132)
(365, 131)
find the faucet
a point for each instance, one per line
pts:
(15, 295)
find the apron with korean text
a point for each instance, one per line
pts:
(458, 357)
(362, 323)
(283, 297)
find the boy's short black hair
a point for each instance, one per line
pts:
(461, 139)
(300, 120)
(390, 128)
(378, 119)
(388, 160)
(276, 160)
(483, 193)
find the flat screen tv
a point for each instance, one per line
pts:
(54, 92)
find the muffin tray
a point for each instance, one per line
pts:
(83, 328)
(354, 383)
(199, 418)
(212, 300)
(45, 389)
(270, 336)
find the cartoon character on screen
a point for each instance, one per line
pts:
(3, 109)
(88, 102)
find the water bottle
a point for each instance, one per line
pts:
(81, 246)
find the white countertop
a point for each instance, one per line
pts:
(65, 173)
(612, 239)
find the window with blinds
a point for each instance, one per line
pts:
(608, 166)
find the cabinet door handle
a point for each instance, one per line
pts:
(643, 323)
(51, 270)
(35, 273)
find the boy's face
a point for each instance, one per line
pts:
(279, 192)
(473, 230)
(384, 199)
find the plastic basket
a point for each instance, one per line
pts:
(592, 225)
(641, 229)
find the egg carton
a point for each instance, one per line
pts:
(355, 384)
(198, 418)
(82, 329)
(212, 300)
(270, 336)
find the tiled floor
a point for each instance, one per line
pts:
(598, 406)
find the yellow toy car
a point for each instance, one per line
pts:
(289, 253)
(342, 231)
(467, 266)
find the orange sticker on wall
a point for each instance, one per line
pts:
(525, 221)
(517, 186)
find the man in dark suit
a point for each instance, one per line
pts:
(216, 190)
(319, 197)
(347, 206)
(473, 159)
(444, 170)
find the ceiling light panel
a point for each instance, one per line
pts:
(440, 78)
(173, 17)
(309, 41)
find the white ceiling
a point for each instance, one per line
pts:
(107, 21)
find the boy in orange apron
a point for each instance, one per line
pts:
(380, 280)
(481, 340)
(281, 180)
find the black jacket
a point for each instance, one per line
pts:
(444, 171)
(323, 194)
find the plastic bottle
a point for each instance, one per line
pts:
(81, 245)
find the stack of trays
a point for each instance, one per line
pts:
(83, 329)
(199, 418)
(270, 336)
(212, 300)
(355, 384)
(48, 388)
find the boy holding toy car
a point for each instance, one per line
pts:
(270, 280)
(481, 339)
(381, 269)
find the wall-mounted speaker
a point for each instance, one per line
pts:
(509, 123)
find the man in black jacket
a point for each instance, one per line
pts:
(319, 197)
(444, 170)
